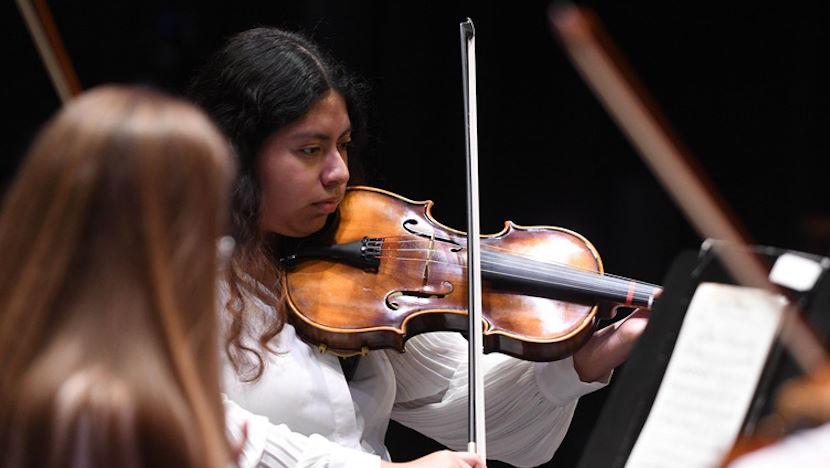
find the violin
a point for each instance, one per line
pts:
(390, 271)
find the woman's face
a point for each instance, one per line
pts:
(302, 169)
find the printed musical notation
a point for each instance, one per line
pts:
(710, 380)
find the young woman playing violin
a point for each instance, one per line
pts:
(108, 286)
(293, 116)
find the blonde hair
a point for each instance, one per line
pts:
(108, 333)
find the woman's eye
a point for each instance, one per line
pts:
(344, 146)
(311, 150)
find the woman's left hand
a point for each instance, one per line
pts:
(609, 347)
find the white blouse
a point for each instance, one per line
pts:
(303, 412)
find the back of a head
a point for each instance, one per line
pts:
(107, 285)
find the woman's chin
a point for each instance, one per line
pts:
(306, 229)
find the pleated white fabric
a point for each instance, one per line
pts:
(303, 413)
(528, 405)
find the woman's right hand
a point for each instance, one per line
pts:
(444, 458)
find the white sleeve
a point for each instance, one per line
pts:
(269, 445)
(529, 405)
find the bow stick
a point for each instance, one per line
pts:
(48, 42)
(477, 433)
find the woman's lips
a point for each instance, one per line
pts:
(327, 206)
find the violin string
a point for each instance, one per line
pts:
(583, 286)
(590, 279)
(512, 254)
(561, 276)
(550, 268)
(515, 258)
(574, 277)
(583, 278)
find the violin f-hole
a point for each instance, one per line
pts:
(407, 225)
(393, 298)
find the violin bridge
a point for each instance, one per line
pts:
(430, 249)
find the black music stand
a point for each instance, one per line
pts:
(630, 401)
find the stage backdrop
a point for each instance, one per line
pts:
(743, 86)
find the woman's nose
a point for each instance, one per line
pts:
(336, 171)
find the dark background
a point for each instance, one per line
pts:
(743, 86)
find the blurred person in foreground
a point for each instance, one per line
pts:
(108, 331)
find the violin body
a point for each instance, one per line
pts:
(415, 282)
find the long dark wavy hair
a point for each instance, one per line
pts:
(260, 81)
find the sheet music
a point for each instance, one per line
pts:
(797, 272)
(710, 380)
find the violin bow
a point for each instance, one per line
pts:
(477, 432)
(52, 53)
(602, 66)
